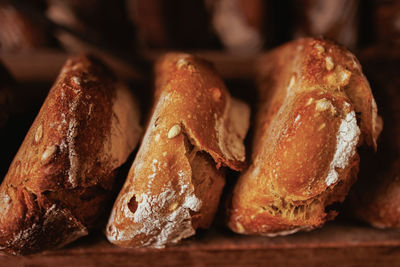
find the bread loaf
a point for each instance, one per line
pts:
(315, 109)
(60, 181)
(175, 182)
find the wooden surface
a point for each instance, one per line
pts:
(337, 244)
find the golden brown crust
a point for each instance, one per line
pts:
(174, 184)
(192, 88)
(62, 176)
(306, 133)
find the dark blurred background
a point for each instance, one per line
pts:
(239, 26)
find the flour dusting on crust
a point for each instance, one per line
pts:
(346, 143)
(150, 213)
(5, 203)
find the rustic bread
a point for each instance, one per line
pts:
(375, 198)
(315, 109)
(59, 182)
(175, 182)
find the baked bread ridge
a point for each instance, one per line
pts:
(64, 172)
(315, 109)
(175, 182)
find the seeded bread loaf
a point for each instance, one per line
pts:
(176, 180)
(58, 184)
(315, 109)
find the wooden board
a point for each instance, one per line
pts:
(339, 243)
(336, 244)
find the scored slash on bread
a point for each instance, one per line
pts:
(62, 177)
(175, 182)
(315, 109)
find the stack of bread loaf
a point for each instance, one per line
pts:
(315, 110)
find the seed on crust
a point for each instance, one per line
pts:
(48, 154)
(174, 131)
(216, 94)
(320, 48)
(329, 63)
(292, 81)
(324, 104)
(76, 80)
(339, 77)
(38, 134)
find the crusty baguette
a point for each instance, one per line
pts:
(375, 198)
(315, 109)
(59, 182)
(175, 182)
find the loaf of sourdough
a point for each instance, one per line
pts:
(315, 109)
(175, 182)
(63, 175)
